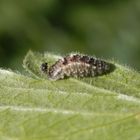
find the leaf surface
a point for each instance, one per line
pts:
(35, 108)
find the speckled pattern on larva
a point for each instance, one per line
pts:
(76, 65)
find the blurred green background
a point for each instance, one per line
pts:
(105, 28)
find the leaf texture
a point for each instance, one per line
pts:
(34, 108)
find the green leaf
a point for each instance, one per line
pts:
(35, 108)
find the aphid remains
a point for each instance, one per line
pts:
(44, 67)
(76, 65)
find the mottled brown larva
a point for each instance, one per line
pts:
(76, 65)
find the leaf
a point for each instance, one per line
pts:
(35, 108)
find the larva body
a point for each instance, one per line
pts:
(77, 65)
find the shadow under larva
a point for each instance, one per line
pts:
(77, 65)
